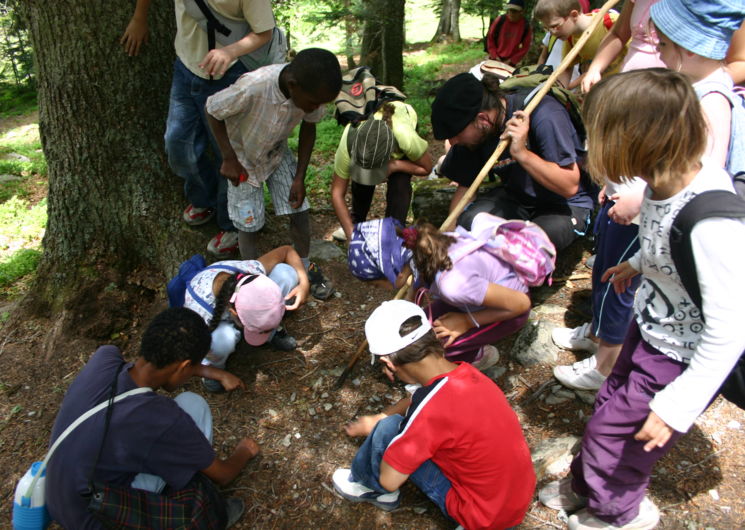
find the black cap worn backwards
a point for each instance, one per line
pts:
(456, 105)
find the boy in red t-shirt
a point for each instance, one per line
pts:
(458, 439)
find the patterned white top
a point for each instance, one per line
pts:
(668, 318)
(259, 119)
(202, 284)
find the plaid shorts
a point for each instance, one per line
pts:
(199, 505)
(246, 202)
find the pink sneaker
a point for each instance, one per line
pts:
(194, 216)
(223, 243)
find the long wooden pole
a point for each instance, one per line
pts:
(468, 195)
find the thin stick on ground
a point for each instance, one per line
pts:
(566, 62)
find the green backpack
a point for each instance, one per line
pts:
(530, 79)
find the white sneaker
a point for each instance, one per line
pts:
(489, 357)
(356, 492)
(558, 495)
(647, 519)
(339, 235)
(575, 339)
(223, 244)
(582, 375)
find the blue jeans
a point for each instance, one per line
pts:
(366, 465)
(226, 336)
(188, 137)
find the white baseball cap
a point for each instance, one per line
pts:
(382, 327)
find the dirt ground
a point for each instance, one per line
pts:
(294, 412)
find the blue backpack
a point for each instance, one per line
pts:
(179, 284)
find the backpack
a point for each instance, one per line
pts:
(522, 244)
(361, 96)
(736, 153)
(500, 22)
(528, 80)
(227, 31)
(179, 284)
(714, 203)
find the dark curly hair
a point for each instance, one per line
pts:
(222, 299)
(177, 334)
(317, 71)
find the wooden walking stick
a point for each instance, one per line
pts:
(468, 195)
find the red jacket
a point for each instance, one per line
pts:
(509, 41)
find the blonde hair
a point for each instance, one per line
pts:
(645, 123)
(430, 252)
(555, 8)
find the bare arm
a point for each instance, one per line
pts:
(561, 180)
(136, 32)
(228, 380)
(460, 191)
(611, 45)
(223, 471)
(338, 193)
(364, 425)
(287, 254)
(306, 141)
(736, 56)
(217, 61)
(420, 167)
(231, 168)
(718, 115)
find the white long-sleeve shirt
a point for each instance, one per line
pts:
(668, 318)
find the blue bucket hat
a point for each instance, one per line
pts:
(704, 28)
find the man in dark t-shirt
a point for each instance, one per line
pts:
(540, 174)
(153, 442)
(456, 438)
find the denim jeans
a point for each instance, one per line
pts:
(226, 336)
(188, 138)
(366, 465)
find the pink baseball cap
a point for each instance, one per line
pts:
(260, 307)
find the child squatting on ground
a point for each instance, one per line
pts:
(674, 358)
(456, 438)
(152, 443)
(251, 121)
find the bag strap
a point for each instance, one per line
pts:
(74, 425)
(712, 203)
(201, 301)
(213, 24)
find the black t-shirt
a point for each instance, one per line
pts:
(148, 433)
(551, 136)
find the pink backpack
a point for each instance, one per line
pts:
(522, 244)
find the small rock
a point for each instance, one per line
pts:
(318, 383)
(324, 395)
(9, 178)
(312, 303)
(726, 509)
(321, 250)
(273, 413)
(311, 411)
(555, 400)
(714, 494)
(17, 156)
(495, 372)
(534, 345)
(297, 435)
(419, 510)
(734, 425)
(362, 307)
(356, 381)
(588, 398)
(565, 393)
(327, 406)
(293, 397)
(287, 440)
(553, 456)
(337, 294)
(717, 437)
(546, 310)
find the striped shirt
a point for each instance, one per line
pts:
(259, 119)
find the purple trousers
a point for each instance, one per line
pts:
(467, 347)
(612, 469)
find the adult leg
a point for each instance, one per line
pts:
(612, 469)
(196, 407)
(398, 196)
(497, 202)
(562, 224)
(362, 196)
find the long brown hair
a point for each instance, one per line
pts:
(430, 251)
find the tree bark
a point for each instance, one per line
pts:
(113, 204)
(383, 40)
(449, 26)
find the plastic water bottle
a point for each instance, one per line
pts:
(30, 513)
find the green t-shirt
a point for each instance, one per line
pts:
(403, 123)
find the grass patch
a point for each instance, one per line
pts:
(20, 264)
(16, 100)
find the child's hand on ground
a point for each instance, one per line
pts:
(626, 207)
(450, 326)
(655, 432)
(250, 446)
(134, 36)
(232, 170)
(620, 276)
(297, 193)
(216, 62)
(363, 425)
(516, 129)
(230, 382)
(300, 293)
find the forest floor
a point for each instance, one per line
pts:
(294, 412)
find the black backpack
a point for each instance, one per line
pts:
(713, 203)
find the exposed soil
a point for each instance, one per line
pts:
(293, 411)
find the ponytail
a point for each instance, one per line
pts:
(222, 299)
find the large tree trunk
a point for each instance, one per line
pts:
(113, 204)
(383, 40)
(449, 25)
